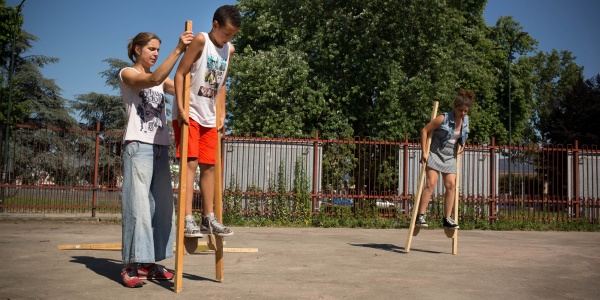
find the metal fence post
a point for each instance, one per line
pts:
(493, 180)
(576, 178)
(96, 187)
(315, 165)
(405, 176)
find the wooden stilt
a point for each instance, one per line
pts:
(456, 189)
(218, 201)
(453, 233)
(181, 194)
(411, 229)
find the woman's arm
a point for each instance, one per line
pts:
(169, 86)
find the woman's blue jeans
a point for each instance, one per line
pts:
(147, 204)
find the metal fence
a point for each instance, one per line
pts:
(78, 171)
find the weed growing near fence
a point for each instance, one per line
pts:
(334, 216)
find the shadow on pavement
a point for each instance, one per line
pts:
(106, 267)
(111, 269)
(196, 277)
(393, 248)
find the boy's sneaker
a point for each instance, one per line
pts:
(421, 221)
(213, 226)
(154, 271)
(130, 278)
(449, 223)
(191, 229)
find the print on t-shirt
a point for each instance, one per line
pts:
(215, 71)
(150, 110)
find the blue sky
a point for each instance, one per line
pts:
(83, 33)
(557, 24)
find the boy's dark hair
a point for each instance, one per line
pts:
(228, 13)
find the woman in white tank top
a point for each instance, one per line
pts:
(147, 197)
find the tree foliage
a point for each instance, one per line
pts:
(366, 68)
(514, 69)
(35, 99)
(575, 116)
(7, 28)
(344, 68)
(106, 109)
(109, 112)
(555, 75)
(288, 100)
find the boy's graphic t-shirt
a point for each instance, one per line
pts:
(146, 114)
(207, 78)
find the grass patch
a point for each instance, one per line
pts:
(345, 219)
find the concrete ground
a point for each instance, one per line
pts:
(309, 263)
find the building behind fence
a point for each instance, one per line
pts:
(78, 171)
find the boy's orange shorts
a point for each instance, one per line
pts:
(202, 142)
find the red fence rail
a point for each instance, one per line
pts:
(79, 171)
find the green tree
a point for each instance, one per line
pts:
(575, 117)
(301, 203)
(368, 69)
(109, 112)
(103, 108)
(106, 109)
(46, 105)
(513, 44)
(286, 102)
(360, 68)
(555, 74)
(35, 99)
(7, 28)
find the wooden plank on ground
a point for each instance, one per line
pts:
(112, 247)
(205, 249)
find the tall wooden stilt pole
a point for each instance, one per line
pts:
(456, 190)
(182, 192)
(415, 211)
(218, 201)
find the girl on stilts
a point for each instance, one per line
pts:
(449, 133)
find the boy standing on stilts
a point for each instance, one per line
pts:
(207, 58)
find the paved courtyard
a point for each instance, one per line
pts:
(309, 263)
